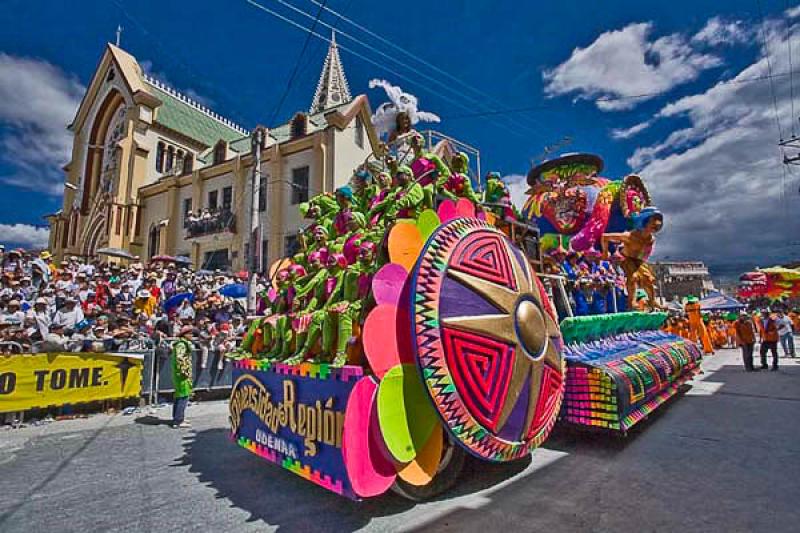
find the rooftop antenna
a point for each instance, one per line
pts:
(119, 34)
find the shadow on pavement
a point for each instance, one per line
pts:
(273, 495)
(280, 498)
(150, 420)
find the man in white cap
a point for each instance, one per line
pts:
(14, 314)
(40, 317)
(70, 314)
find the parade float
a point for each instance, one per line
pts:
(772, 284)
(413, 330)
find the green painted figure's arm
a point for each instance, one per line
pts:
(413, 198)
(304, 290)
(338, 291)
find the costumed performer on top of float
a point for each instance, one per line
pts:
(636, 248)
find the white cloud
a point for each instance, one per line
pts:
(627, 63)
(719, 31)
(627, 133)
(517, 185)
(720, 181)
(792, 12)
(37, 102)
(24, 235)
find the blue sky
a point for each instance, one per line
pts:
(705, 145)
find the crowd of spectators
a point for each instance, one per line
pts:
(104, 306)
(594, 285)
(206, 221)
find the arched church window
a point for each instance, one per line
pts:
(187, 163)
(299, 125)
(170, 158)
(160, 157)
(219, 152)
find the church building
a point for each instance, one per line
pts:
(155, 173)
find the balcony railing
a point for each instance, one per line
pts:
(209, 223)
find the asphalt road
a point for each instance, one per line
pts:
(725, 456)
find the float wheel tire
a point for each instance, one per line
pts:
(453, 458)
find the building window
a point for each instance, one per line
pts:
(65, 232)
(262, 194)
(291, 246)
(212, 200)
(359, 131)
(137, 228)
(264, 254)
(160, 157)
(187, 211)
(170, 158)
(219, 152)
(188, 161)
(74, 228)
(155, 241)
(300, 185)
(299, 126)
(216, 260)
(227, 198)
(118, 221)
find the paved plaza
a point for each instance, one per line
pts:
(723, 456)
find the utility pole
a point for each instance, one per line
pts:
(257, 141)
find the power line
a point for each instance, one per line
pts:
(791, 77)
(539, 107)
(441, 84)
(402, 50)
(296, 66)
(365, 58)
(769, 69)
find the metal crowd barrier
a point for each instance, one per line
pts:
(210, 371)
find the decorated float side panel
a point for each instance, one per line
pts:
(294, 417)
(616, 383)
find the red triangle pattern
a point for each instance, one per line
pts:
(483, 254)
(481, 370)
(549, 396)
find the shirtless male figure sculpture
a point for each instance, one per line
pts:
(637, 245)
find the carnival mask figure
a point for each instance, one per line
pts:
(567, 198)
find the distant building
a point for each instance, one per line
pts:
(148, 162)
(679, 279)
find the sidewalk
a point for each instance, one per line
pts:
(721, 457)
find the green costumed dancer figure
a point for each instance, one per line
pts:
(458, 184)
(313, 294)
(182, 376)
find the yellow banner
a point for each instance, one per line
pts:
(53, 379)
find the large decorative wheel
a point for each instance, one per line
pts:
(486, 341)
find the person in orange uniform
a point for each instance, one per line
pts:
(697, 329)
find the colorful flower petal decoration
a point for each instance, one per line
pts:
(462, 342)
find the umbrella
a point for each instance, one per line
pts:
(785, 273)
(116, 252)
(234, 290)
(163, 259)
(176, 300)
(184, 260)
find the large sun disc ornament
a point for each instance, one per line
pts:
(487, 344)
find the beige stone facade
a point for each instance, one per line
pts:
(144, 156)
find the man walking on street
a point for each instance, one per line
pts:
(786, 334)
(746, 339)
(769, 341)
(182, 376)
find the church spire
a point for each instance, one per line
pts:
(332, 89)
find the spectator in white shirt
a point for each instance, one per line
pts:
(786, 334)
(69, 315)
